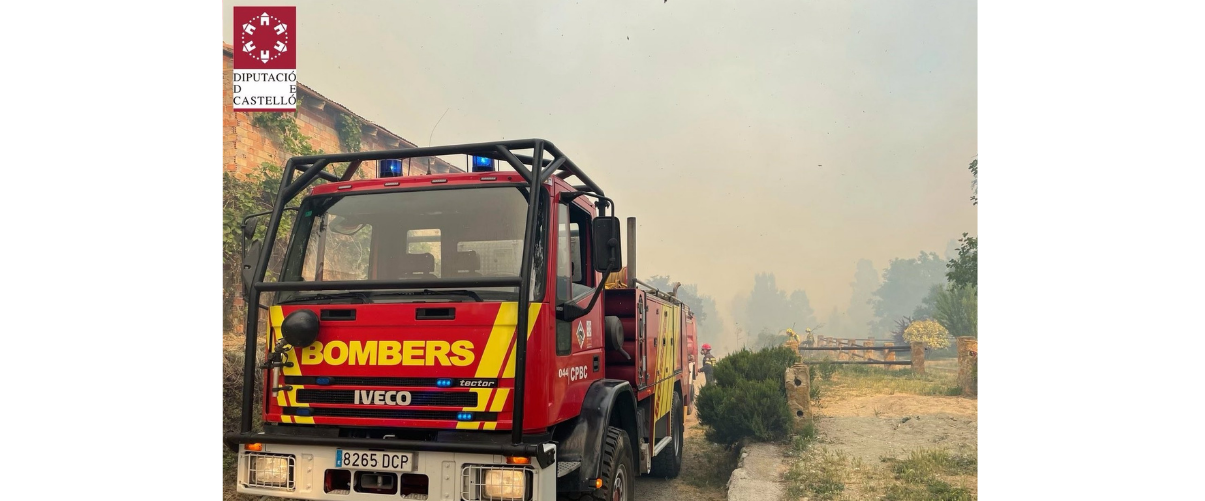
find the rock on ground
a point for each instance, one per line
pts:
(758, 477)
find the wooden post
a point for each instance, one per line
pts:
(968, 366)
(868, 354)
(798, 395)
(918, 357)
(889, 355)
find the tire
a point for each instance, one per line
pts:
(668, 463)
(619, 475)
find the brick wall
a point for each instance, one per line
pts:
(245, 146)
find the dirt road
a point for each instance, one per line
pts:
(869, 423)
(700, 477)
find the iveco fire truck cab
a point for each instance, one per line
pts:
(392, 361)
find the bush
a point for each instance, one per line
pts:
(748, 399)
(768, 363)
(826, 368)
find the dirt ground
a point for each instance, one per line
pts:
(873, 421)
(879, 426)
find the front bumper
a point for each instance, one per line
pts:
(436, 475)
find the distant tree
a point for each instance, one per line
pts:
(860, 313)
(837, 324)
(928, 305)
(963, 271)
(769, 308)
(951, 249)
(906, 282)
(802, 315)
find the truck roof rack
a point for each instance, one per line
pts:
(507, 151)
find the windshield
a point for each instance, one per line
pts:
(429, 235)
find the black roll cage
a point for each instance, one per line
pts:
(534, 169)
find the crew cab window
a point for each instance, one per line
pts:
(573, 283)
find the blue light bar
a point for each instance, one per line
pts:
(443, 382)
(324, 381)
(484, 164)
(302, 411)
(389, 167)
(464, 416)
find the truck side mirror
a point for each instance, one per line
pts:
(605, 244)
(250, 254)
(250, 261)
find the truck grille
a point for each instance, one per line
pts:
(420, 398)
(385, 413)
(386, 381)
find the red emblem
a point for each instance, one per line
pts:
(264, 38)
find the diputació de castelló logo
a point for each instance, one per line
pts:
(265, 59)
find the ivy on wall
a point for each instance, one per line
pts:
(348, 129)
(250, 193)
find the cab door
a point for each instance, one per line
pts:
(580, 342)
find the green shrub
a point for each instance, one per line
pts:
(827, 368)
(748, 399)
(768, 363)
(748, 409)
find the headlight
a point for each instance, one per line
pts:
(269, 470)
(505, 484)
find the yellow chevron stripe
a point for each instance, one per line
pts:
(500, 400)
(500, 338)
(293, 396)
(483, 399)
(532, 314)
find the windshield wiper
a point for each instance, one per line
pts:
(363, 297)
(429, 292)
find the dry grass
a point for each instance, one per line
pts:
(855, 380)
(824, 474)
(710, 464)
(933, 474)
(820, 474)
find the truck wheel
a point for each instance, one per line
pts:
(619, 482)
(669, 462)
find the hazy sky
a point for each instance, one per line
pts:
(793, 137)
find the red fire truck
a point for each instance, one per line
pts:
(392, 364)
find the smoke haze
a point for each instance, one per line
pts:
(816, 141)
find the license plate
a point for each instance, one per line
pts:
(374, 460)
